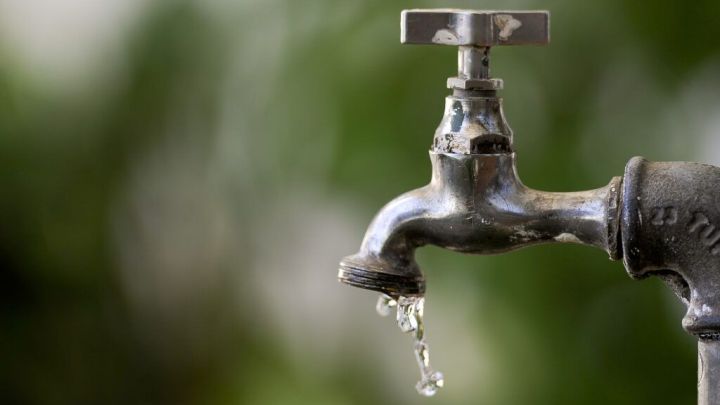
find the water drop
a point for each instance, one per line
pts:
(407, 318)
(430, 380)
(410, 311)
(429, 385)
(385, 305)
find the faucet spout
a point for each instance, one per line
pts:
(476, 203)
(386, 260)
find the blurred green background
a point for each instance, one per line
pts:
(180, 178)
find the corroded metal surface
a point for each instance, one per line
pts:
(473, 125)
(474, 32)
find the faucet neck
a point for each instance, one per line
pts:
(473, 123)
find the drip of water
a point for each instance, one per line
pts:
(385, 305)
(410, 319)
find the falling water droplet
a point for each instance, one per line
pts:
(410, 319)
(430, 381)
(385, 305)
(407, 317)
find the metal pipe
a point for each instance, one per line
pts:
(708, 372)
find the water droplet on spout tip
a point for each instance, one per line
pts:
(385, 305)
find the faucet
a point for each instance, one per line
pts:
(661, 218)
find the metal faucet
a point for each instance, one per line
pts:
(661, 218)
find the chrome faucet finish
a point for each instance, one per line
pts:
(661, 218)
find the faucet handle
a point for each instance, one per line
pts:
(474, 31)
(479, 28)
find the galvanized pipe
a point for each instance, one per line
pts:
(708, 372)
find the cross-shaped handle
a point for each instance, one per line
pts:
(474, 31)
(479, 28)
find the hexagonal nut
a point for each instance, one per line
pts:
(484, 144)
(474, 84)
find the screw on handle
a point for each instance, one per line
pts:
(474, 31)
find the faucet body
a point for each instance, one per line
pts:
(476, 203)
